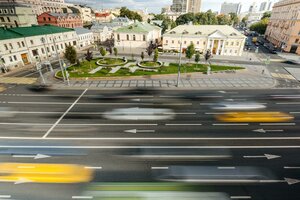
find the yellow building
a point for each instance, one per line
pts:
(284, 26)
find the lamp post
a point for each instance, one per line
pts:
(59, 60)
(43, 40)
(39, 68)
(180, 57)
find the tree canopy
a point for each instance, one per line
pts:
(266, 15)
(260, 27)
(71, 54)
(125, 12)
(167, 22)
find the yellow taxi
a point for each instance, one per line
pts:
(254, 117)
(44, 173)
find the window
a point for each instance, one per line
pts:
(49, 19)
(198, 42)
(52, 48)
(204, 43)
(48, 50)
(133, 37)
(127, 37)
(2, 60)
(31, 41)
(11, 46)
(226, 43)
(8, 19)
(43, 50)
(12, 11)
(6, 47)
(35, 52)
(184, 42)
(232, 43)
(15, 58)
(118, 37)
(57, 47)
(166, 41)
(3, 20)
(297, 40)
(235, 51)
(74, 43)
(144, 37)
(237, 43)
(172, 41)
(23, 44)
(10, 59)
(62, 46)
(19, 44)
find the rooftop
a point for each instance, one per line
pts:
(137, 27)
(33, 30)
(204, 30)
(81, 31)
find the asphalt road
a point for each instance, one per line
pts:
(70, 127)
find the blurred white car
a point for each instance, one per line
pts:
(140, 114)
(238, 106)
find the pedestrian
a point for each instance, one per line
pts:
(263, 71)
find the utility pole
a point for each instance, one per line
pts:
(43, 40)
(59, 60)
(180, 57)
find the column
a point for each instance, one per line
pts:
(212, 46)
(219, 45)
(223, 47)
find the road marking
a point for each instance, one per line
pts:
(58, 121)
(37, 156)
(264, 131)
(216, 96)
(43, 124)
(294, 112)
(268, 156)
(183, 124)
(40, 103)
(220, 113)
(240, 124)
(90, 167)
(240, 197)
(159, 168)
(287, 167)
(5, 196)
(226, 168)
(288, 103)
(82, 197)
(139, 131)
(277, 124)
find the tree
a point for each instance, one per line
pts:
(234, 20)
(190, 51)
(89, 55)
(125, 12)
(150, 49)
(71, 54)
(103, 52)
(266, 15)
(155, 58)
(260, 27)
(116, 51)
(223, 20)
(185, 18)
(197, 58)
(142, 55)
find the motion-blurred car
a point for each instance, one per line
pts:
(40, 88)
(140, 114)
(238, 106)
(254, 117)
(44, 173)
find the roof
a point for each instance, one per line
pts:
(204, 30)
(102, 14)
(31, 31)
(80, 31)
(138, 27)
(121, 19)
(62, 14)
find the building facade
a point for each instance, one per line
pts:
(65, 20)
(283, 30)
(14, 15)
(227, 8)
(25, 45)
(137, 36)
(84, 38)
(185, 6)
(219, 39)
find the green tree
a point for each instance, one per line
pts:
(103, 52)
(234, 19)
(260, 27)
(185, 18)
(197, 58)
(125, 12)
(142, 55)
(116, 51)
(71, 54)
(190, 51)
(223, 20)
(266, 15)
(155, 58)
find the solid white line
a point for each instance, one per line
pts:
(294, 112)
(5, 196)
(159, 168)
(183, 124)
(24, 124)
(209, 96)
(92, 167)
(40, 103)
(277, 124)
(291, 167)
(179, 113)
(289, 103)
(37, 124)
(23, 156)
(57, 122)
(151, 147)
(241, 124)
(240, 197)
(226, 168)
(82, 197)
(150, 138)
(220, 113)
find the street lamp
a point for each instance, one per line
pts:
(180, 57)
(43, 40)
(59, 60)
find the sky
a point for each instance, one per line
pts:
(156, 5)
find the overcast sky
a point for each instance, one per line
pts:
(156, 5)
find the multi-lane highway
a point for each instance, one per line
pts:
(140, 136)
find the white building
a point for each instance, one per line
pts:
(16, 16)
(227, 8)
(138, 35)
(24, 45)
(220, 39)
(85, 13)
(266, 6)
(84, 38)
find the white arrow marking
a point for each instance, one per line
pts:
(264, 131)
(38, 156)
(268, 156)
(291, 181)
(139, 131)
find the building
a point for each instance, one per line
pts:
(185, 6)
(283, 30)
(84, 38)
(25, 45)
(266, 6)
(14, 15)
(227, 8)
(65, 20)
(40, 6)
(137, 36)
(104, 17)
(253, 7)
(219, 39)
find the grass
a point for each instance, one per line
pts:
(111, 61)
(150, 64)
(85, 67)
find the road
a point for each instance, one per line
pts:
(68, 126)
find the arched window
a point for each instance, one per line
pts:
(133, 37)
(127, 37)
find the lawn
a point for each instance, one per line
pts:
(85, 67)
(111, 61)
(150, 64)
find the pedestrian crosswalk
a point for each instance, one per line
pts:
(283, 76)
(17, 80)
